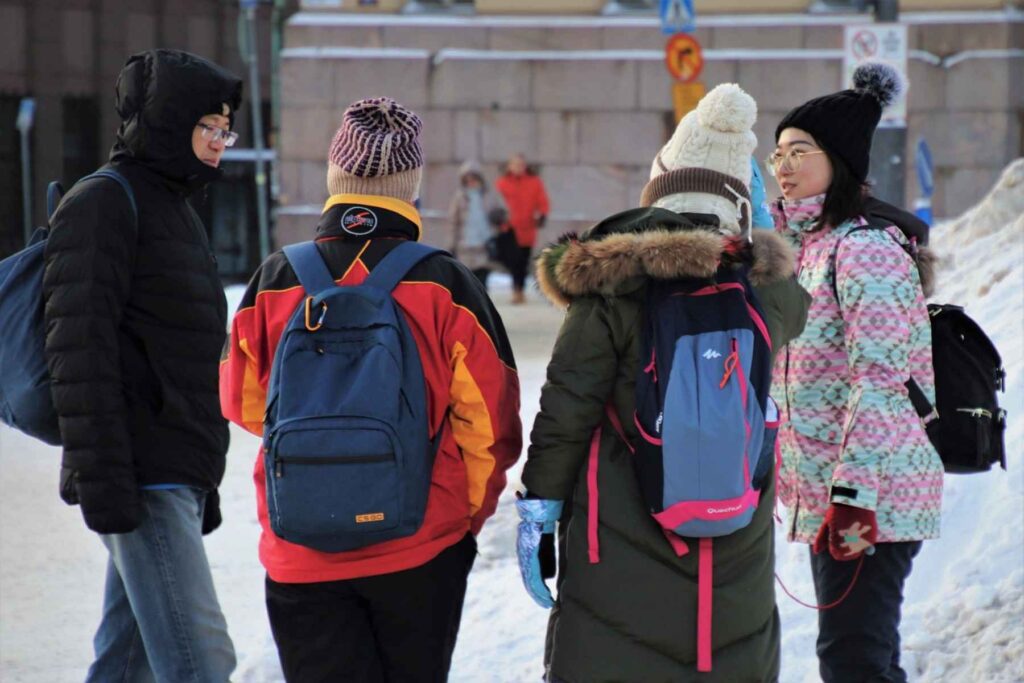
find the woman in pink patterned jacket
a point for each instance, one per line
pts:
(859, 478)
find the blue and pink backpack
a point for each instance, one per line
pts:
(706, 421)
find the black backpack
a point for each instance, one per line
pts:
(966, 425)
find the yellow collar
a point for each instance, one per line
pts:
(402, 208)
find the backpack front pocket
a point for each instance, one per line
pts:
(712, 431)
(333, 483)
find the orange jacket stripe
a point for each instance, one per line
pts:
(471, 425)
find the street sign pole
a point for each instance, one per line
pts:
(26, 118)
(888, 150)
(684, 58)
(251, 56)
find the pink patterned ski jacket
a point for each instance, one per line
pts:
(851, 434)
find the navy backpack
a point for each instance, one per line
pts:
(25, 401)
(347, 446)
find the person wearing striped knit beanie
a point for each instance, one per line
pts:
(376, 151)
(386, 610)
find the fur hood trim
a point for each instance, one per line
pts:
(574, 268)
(927, 262)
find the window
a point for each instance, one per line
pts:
(630, 6)
(446, 6)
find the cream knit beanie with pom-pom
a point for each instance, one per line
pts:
(705, 166)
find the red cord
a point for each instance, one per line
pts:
(853, 581)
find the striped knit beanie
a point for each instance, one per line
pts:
(376, 151)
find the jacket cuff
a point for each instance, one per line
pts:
(854, 486)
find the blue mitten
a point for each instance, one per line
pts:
(538, 518)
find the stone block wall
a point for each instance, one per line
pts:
(594, 120)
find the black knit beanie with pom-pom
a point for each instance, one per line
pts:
(844, 122)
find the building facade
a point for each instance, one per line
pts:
(583, 92)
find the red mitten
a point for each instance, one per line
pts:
(847, 532)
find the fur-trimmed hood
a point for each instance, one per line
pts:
(619, 254)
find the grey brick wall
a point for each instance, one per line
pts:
(593, 125)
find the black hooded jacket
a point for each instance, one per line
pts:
(135, 311)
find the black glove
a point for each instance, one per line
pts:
(211, 512)
(541, 220)
(109, 506)
(546, 555)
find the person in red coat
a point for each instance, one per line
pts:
(527, 203)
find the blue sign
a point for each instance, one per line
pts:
(677, 16)
(925, 170)
(26, 114)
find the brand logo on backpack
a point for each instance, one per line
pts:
(372, 517)
(711, 354)
(358, 221)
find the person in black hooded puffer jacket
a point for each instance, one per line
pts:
(135, 321)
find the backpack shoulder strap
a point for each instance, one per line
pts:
(874, 223)
(309, 267)
(54, 193)
(122, 181)
(397, 263)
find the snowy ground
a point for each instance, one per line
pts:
(964, 602)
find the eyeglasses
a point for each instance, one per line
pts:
(792, 159)
(215, 134)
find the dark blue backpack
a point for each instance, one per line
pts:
(347, 446)
(25, 401)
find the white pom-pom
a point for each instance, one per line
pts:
(727, 109)
(881, 80)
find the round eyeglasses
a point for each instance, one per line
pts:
(791, 159)
(216, 134)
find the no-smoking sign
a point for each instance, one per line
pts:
(881, 42)
(864, 45)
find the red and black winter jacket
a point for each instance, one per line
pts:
(467, 364)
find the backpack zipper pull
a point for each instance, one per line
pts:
(731, 361)
(652, 368)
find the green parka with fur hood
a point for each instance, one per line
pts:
(632, 616)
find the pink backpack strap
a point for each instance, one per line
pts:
(613, 417)
(593, 548)
(677, 543)
(593, 544)
(705, 566)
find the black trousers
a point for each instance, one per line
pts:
(859, 639)
(378, 629)
(518, 265)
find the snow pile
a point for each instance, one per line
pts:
(965, 600)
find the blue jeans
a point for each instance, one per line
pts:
(161, 620)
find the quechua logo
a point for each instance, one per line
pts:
(359, 221)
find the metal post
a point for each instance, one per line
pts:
(257, 124)
(888, 150)
(276, 21)
(26, 116)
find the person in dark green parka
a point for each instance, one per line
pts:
(631, 616)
